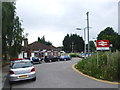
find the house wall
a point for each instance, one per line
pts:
(39, 54)
(21, 55)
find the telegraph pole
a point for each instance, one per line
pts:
(88, 36)
(85, 43)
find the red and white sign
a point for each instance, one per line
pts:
(102, 44)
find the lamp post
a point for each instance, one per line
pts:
(88, 36)
(84, 39)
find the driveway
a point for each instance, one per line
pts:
(60, 75)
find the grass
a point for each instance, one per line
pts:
(107, 67)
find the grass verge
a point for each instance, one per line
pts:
(106, 67)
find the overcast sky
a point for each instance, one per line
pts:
(55, 18)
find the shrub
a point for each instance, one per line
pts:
(73, 54)
(106, 67)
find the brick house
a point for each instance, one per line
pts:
(38, 49)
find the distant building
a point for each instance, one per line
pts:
(119, 17)
(38, 49)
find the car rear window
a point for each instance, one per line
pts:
(22, 64)
(34, 57)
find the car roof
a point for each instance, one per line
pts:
(24, 60)
(16, 59)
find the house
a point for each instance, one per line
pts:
(38, 49)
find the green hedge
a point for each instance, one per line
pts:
(107, 67)
(74, 54)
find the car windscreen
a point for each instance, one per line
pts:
(22, 64)
(62, 56)
(66, 57)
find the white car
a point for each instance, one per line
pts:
(21, 70)
(83, 55)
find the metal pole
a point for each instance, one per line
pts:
(88, 36)
(97, 58)
(84, 42)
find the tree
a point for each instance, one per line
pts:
(117, 43)
(48, 43)
(73, 43)
(109, 34)
(92, 46)
(67, 43)
(11, 31)
(42, 40)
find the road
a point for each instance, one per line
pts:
(60, 75)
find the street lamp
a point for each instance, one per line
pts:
(88, 36)
(84, 39)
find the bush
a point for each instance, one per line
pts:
(74, 54)
(106, 67)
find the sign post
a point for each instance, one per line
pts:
(102, 45)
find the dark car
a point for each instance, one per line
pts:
(51, 58)
(63, 58)
(35, 60)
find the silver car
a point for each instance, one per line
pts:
(21, 70)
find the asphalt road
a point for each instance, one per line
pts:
(59, 75)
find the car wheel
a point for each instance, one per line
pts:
(50, 60)
(58, 59)
(34, 79)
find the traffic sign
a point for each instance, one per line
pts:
(102, 44)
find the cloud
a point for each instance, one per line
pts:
(56, 18)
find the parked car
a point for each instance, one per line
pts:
(21, 70)
(83, 55)
(35, 60)
(15, 59)
(63, 58)
(51, 58)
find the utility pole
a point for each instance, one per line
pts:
(72, 47)
(85, 43)
(88, 36)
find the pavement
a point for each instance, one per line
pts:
(0, 78)
(3, 75)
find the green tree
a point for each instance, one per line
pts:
(11, 31)
(42, 40)
(67, 44)
(92, 46)
(48, 43)
(109, 34)
(73, 43)
(117, 43)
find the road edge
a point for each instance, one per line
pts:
(73, 67)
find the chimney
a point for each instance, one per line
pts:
(25, 42)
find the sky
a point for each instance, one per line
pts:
(54, 19)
